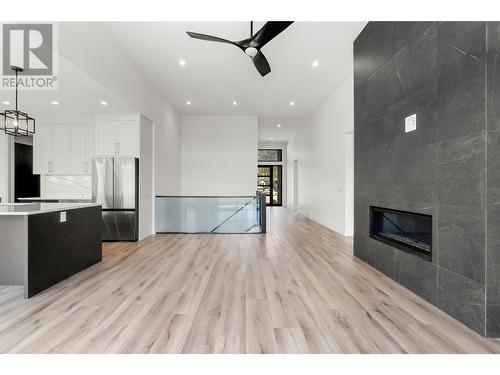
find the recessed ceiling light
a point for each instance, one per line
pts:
(271, 138)
(279, 125)
(54, 102)
(188, 103)
(315, 63)
(6, 102)
(235, 103)
(103, 102)
(292, 104)
(182, 62)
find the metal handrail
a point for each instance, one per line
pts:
(232, 215)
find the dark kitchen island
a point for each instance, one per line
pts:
(42, 244)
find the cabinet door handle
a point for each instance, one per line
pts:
(118, 144)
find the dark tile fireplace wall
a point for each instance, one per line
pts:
(448, 73)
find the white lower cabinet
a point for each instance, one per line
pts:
(63, 149)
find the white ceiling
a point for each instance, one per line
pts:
(217, 74)
(79, 97)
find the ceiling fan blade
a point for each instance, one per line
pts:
(260, 62)
(209, 38)
(269, 31)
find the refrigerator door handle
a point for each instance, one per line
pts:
(110, 183)
(125, 175)
(102, 181)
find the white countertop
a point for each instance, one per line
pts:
(13, 209)
(55, 199)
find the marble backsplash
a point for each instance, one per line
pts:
(66, 186)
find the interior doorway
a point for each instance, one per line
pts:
(270, 183)
(295, 185)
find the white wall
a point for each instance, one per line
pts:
(324, 191)
(114, 70)
(146, 179)
(283, 147)
(219, 155)
(168, 154)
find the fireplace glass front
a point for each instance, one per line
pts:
(407, 231)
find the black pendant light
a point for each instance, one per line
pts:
(15, 122)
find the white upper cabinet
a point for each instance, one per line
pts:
(63, 149)
(106, 138)
(117, 138)
(60, 149)
(42, 149)
(128, 138)
(90, 147)
(80, 152)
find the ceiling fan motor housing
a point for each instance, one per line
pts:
(251, 51)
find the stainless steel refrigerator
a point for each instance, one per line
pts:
(115, 185)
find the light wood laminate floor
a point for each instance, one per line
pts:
(297, 289)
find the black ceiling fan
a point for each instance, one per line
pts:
(252, 45)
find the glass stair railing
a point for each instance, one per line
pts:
(177, 214)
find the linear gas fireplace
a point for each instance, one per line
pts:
(404, 230)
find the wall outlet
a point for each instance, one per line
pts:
(62, 217)
(411, 123)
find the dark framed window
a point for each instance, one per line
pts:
(270, 155)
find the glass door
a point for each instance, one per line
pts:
(269, 182)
